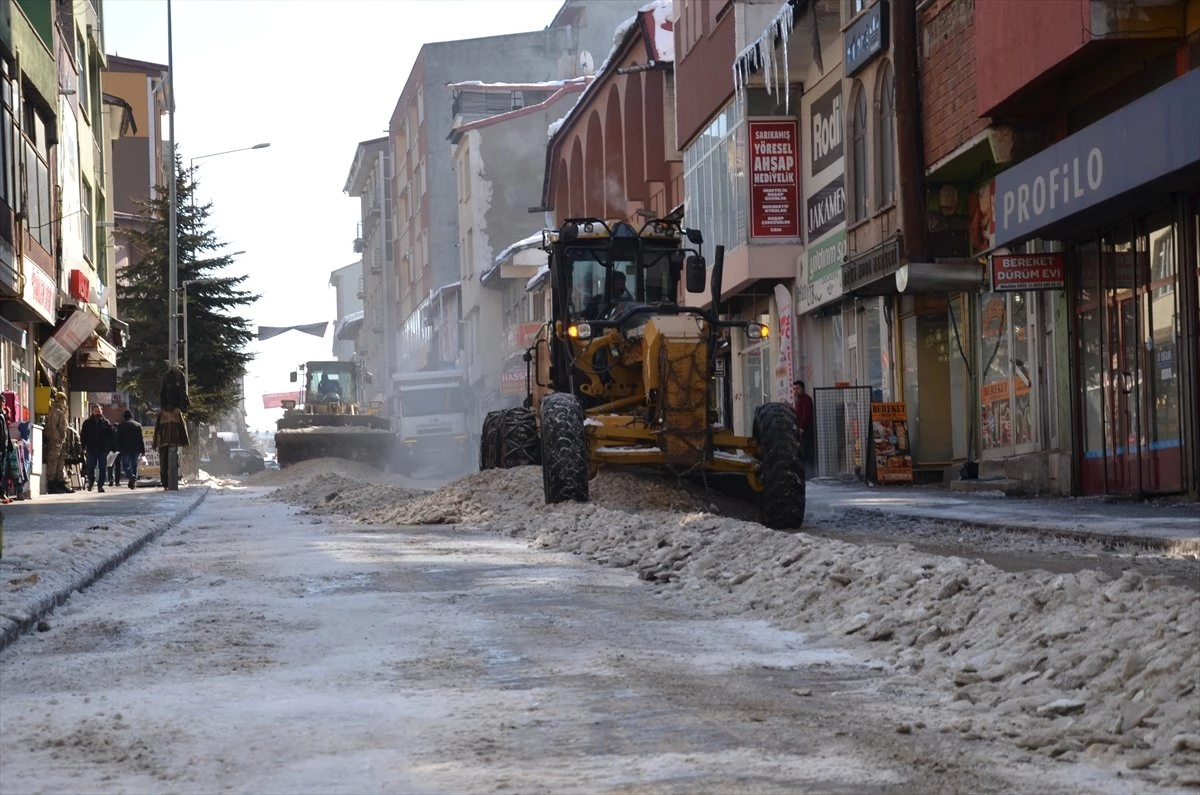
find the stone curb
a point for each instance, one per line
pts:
(42, 606)
(1174, 546)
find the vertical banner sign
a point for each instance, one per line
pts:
(889, 440)
(774, 179)
(783, 366)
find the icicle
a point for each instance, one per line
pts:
(787, 75)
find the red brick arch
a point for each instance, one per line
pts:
(614, 157)
(593, 168)
(635, 134)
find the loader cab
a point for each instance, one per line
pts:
(330, 382)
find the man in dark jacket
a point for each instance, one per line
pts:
(98, 440)
(131, 445)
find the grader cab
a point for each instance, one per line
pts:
(624, 375)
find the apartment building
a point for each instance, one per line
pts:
(349, 292)
(370, 181)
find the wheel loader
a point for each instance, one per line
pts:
(330, 422)
(622, 374)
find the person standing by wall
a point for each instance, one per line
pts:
(98, 439)
(804, 421)
(131, 446)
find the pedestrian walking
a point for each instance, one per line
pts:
(98, 440)
(131, 445)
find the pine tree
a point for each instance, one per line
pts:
(217, 355)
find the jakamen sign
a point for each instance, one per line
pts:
(774, 179)
(1028, 271)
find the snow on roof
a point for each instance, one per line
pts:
(542, 273)
(526, 242)
(663, 46)
(479, 84)
(664, 29)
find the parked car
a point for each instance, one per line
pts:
(271, 462)
(245, 462)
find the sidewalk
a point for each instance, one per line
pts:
(60, 543)
(1155, 524)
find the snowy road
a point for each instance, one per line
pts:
(255, 648)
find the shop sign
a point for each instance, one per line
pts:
(889, 443)
(783, 364)
(40, 293)
(774, 179)
(867, 37)
(1149, 138)
(512, 382)
(521, 336)
(68, 338)
(78, 285)
(827, 207)
(826, 114)
(1028, 271)
(823, 279)
(274, 400)
(881, 261)
(97, 352)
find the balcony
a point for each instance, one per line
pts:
(1038, 56)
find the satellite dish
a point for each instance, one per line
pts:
(587, 64)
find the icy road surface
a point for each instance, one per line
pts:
(449, 642)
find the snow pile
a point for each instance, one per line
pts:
(317, 470)
(526, 242)
(1064, 665)
(664, 31)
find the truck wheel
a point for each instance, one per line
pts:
(489, 441)
(780, 467)
(564, 449)
(518, 438)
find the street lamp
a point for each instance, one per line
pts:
(187, 339)
(192, 162)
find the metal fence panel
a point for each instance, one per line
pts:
(842, 415)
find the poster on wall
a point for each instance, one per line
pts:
(783, 365)
(889, 442)
(995, 393)
(774, 179)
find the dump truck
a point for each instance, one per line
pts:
(331, 421)
(431, 422)
(622, 374)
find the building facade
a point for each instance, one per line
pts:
(349, 292)
(498, 143)
(370, 181)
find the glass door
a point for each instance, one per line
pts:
(1127, 362)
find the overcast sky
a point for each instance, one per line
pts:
(312, 78)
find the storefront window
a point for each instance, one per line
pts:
(995, 393)
(960, 390)
(714, 181)
(1022, 381)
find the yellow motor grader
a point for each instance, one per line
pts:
(624, 375)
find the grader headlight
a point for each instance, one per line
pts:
(758, 331)
(580, 331)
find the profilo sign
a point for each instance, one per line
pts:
(1028, 271)
(774, 179)
(1150, 138)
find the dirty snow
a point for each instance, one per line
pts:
(1068, 666)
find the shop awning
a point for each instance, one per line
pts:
(76, 330)
(348, 326)
(13, 333)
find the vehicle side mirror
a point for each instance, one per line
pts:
(696, 274)
(288, 405)
(694, 237)
(292, 376)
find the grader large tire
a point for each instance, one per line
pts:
(781, 468)
(489, 441)
(518, 438)
(564, 449)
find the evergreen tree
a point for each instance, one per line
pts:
(217, 355)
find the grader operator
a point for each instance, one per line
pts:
(623, 374)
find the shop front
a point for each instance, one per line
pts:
(1123, 198)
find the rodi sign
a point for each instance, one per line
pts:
(827, 129)
(1150, 138)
